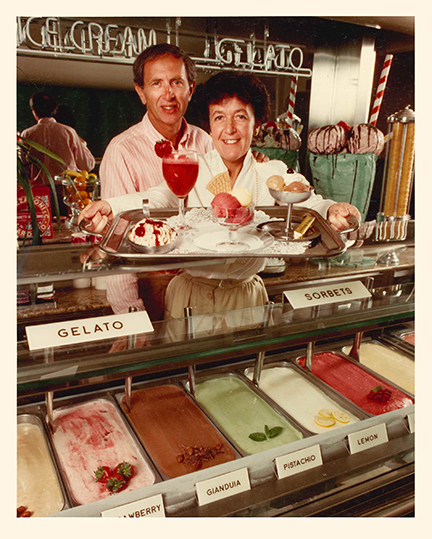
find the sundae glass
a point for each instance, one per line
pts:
(231, 214)
(290, 194)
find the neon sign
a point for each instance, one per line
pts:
(53, 37)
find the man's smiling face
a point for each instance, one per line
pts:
(166, 92)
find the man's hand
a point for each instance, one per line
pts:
(99, 213)
(338, 216)
(260, 157)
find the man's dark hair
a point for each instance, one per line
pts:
(245, 86)
(44, 105)
(157, 51)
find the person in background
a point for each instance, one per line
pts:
(164, 78)
(61, 139)
(233, 105)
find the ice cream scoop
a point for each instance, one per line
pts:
(365, 138)
(296, 187)
(275, 182)
(224, 205)
(243, 195)
(327, 140)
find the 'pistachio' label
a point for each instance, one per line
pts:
(299, 461)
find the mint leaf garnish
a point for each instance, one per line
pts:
(258, 437)
(275, 431)
(267, 434)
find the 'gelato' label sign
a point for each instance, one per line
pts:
(222, 486)
(325, 294)
(150, 507)
(87, 330)
(367, 438)
(299, 461)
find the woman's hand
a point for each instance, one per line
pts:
(260, 157)
(338, 216)
(99, 213)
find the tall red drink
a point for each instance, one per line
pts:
(180, 175)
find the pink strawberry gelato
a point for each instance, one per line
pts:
(225, 205)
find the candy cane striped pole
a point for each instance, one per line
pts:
(291, 100)
(380, 90)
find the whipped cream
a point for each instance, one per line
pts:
(152, 233)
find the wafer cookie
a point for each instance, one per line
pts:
(220, 183)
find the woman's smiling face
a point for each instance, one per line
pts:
(232, 124)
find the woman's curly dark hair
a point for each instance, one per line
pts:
(245, 86)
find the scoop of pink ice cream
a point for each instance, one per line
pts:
(241, 215)
(224, 205)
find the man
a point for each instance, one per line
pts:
(164, 78)
(61, 139)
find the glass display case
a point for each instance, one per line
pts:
(242, 347)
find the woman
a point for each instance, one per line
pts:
(232, 106)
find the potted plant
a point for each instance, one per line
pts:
(25, 161)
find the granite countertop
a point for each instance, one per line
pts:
(70, 300)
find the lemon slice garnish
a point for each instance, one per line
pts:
(324, 421)
(342, 417)
(84, 173)
(325, 412)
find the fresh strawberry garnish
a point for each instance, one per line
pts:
(102, 474)
(379, 394)
(125, 470)
(163, 147)
(116, 483)
(343, 124)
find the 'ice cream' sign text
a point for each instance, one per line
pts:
(87, 330)
(324, 294)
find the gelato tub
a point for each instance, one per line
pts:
(389, 363)
(355, 383)
(300, 398)
(39, 488)
(174, 431)
(89, 434)
(249, 421)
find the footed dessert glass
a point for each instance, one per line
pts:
(233, 219)
(289, 198)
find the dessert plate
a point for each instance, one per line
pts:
(210, 238)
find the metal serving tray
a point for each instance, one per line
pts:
(25, 416)
(66, 401)
(327, 390)
(227, 373)
(325, 242)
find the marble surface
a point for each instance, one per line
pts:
(70, 300)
